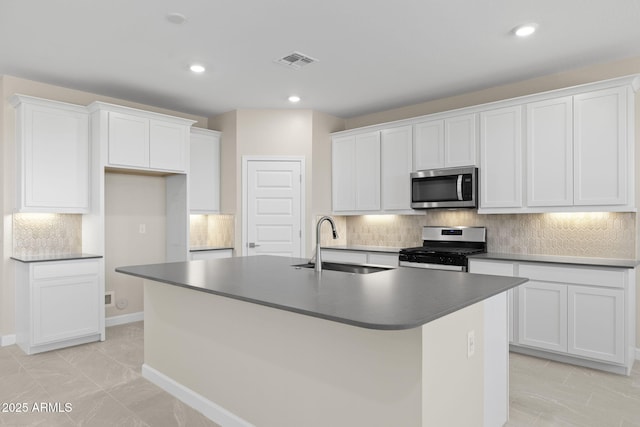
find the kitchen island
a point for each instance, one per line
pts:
(255, 341)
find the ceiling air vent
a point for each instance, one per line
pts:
(296, 60)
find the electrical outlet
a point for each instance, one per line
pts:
(471, 343)
(109, 299)
(142, 228)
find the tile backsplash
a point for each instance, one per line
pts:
(606, 235)
(211, 230)
(46, 234)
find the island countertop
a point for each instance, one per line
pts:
(399, 298)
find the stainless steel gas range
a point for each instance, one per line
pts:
(445, 248)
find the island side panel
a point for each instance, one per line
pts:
(453, 382)
(276, 368)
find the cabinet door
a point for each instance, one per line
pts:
(428, 145)
(128, 140)
(204, 173)
(542, 315)
(396, 167)
(501, 158)
(596, 323)
(550, 152)
(54, 152)
(65, 308)
(600, 144)
(343, 173)
(460, 141)
(168, 146)
(367, 162)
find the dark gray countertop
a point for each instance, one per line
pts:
(400, 298)
(59, 257)
(596, 262)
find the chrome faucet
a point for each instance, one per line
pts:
(318, 266)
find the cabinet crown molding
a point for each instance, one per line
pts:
(18, 99)
(203, 131)
(104, 106)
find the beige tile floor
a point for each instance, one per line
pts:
(102, 382)
(547, 393)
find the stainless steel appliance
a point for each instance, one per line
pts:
(445, 188)
(445, 248)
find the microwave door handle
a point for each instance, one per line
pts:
(459, 187)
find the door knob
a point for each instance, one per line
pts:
(252, 245)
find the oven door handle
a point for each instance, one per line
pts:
(459, 187)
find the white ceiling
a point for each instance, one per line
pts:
(373, 54)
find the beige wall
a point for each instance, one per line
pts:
(302, 133)
(541, 84)
(323, 125)
(10, 86)
(132, 200)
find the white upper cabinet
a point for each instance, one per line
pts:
(501, 158)
(367, 167)
(444, 143)
(396, 164)
(371, 171)
(141, 140)
(168, 145)
(204, 171)
(343, 173)
(428, 145)
(550, 152)
(128, 140)
(460, 135)
(600, 147)
(567, 150)
(52, 141)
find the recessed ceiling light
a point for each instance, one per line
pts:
(197, 68)
(525, 30)
(176, 18)
(294, 99)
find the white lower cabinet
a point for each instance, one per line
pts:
(596, 323)
(360, 257)
(542, 315)
(578, 314)
(211, 254)
(59, 304)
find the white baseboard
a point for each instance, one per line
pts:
(6, 340)
(209, 409)
(124, 318)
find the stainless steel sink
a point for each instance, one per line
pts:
(347, 268)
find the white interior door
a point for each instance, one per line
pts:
(273, 208)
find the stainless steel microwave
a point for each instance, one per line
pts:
(445, 188)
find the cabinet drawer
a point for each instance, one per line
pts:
(496, 268)
(48, 270)
(612, 278)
